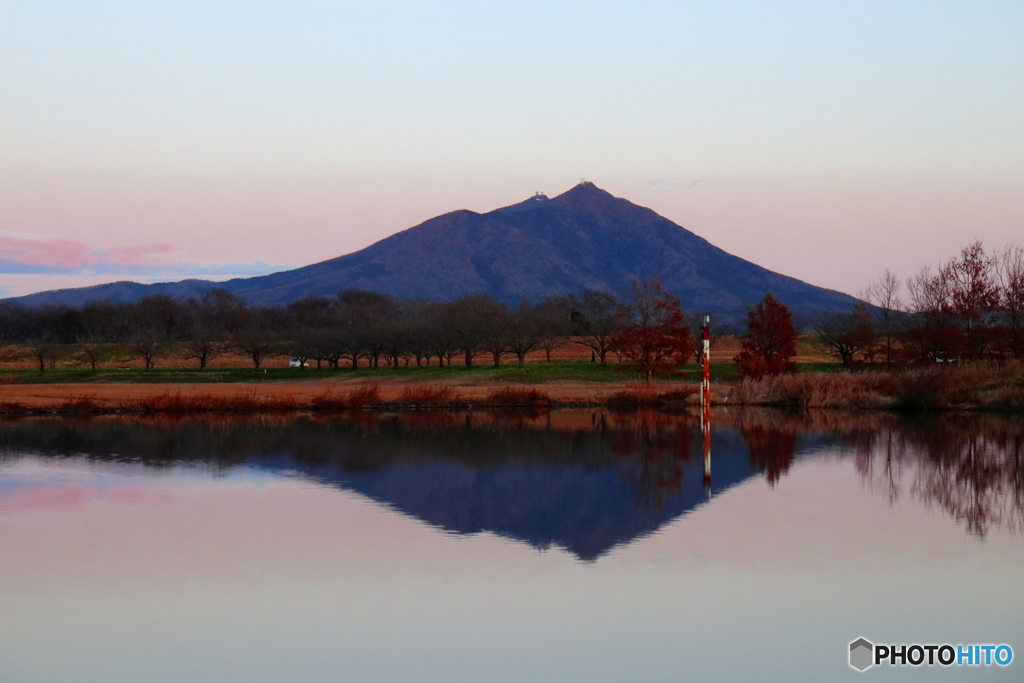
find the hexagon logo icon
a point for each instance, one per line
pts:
(861, 654)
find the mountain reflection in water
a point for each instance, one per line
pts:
(587, 481)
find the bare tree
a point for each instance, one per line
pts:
(45, 353)
(469, 318)
(258, 345)
(596, 318)
(499, 327)
(885, 294)
(525, 333)
(203, 348)
(372, 316)
(1010, 276)
(846, 334)
(553, 320)
(931, 336)
(94, 354)
(149, 348)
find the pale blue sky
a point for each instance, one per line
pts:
(300, 131)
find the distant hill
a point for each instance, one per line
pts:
(582, 239)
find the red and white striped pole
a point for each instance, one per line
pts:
(705, 402)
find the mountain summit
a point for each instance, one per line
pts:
(582, 239)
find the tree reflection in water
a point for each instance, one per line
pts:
(586, 480)
(973, 468)
(653, 446)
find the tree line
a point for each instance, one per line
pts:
(354, 328)
(969, 308)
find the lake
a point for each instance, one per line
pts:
(586, 545)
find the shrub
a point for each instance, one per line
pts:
(78, 405)
(439, 394)
(363, 397)
(1010, 397)
(681, 396)
(511, 397)
(931, 388)
(328, 401)
(632, 398)
(812, 390)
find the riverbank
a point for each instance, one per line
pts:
(980, 386)
(988, 387)
(331, 395)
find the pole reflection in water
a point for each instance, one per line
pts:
(550, 546)
(705, 402)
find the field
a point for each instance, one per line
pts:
(569, 362)
(569, 380)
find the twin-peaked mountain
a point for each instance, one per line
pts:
(582, 239)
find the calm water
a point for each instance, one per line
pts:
(575, 546)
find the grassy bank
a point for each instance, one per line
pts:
(981, 386)
(529, 373)
(358, 397)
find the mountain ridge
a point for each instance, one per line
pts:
(584, 238)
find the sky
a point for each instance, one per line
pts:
(825, 140)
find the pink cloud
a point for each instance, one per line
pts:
(149, 254)
(21, 255)
(51, 254)
(59, 255)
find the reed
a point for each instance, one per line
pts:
(682, 396)
(248, 402)
(428, 395)
(328, 401)
(931, 388)
(363, 397)
(78, 405)
(514, 397)
(13, 408)
(637, 397)
(809, 390)
(1010, 398)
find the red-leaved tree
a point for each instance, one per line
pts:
(654, 337)
(770, 343)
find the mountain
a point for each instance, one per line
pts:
(582, 239)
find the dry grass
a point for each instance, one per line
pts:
(1010, 398)
(932, 388)
(982, 386)
(632, 398)
(513, 397)
(428, 395)
(328, 401)
(811, 390)
(247, 402)
(79, 405)
(14, 408)
(364, 397)
(680, 397)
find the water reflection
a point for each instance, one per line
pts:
(587, 481)
(972, 468)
